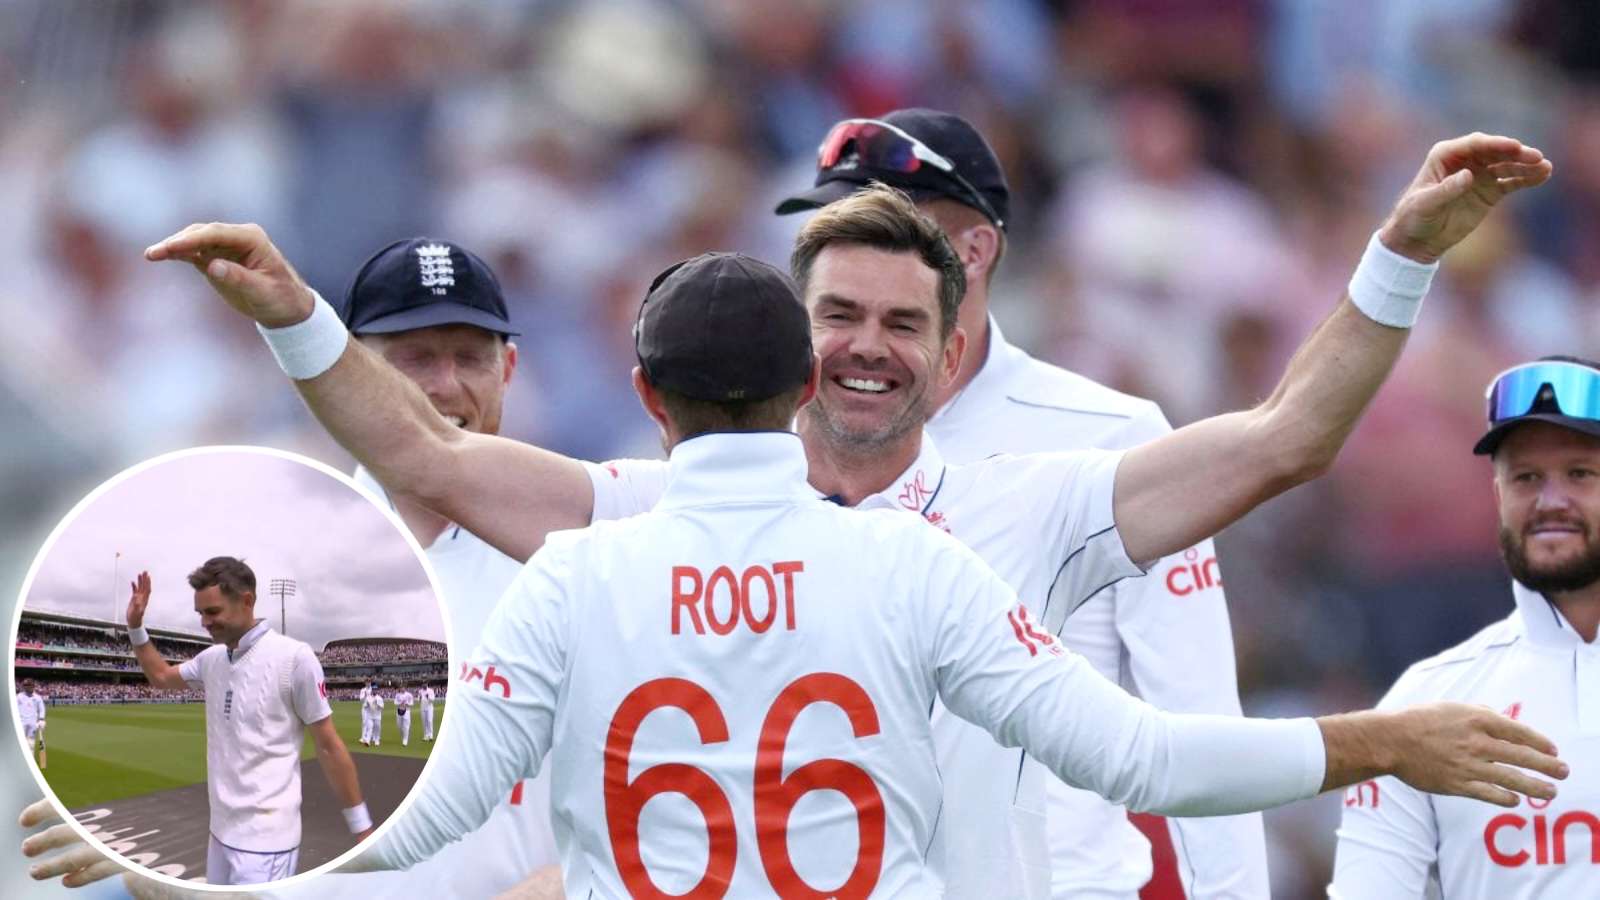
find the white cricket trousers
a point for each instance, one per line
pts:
(227, 865)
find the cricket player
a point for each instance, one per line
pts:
(372, 710)
(884, 313)
(30, 709)
(1165, 637)
(366, 715)
(402, 714)
(263, 691)
(1540, 665)
(793, 664)
(425, 699)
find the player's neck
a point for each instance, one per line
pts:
(975, 322)
(1581, 609)
(854, 474)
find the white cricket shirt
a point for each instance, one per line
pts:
(426, 696)
(1165, 637)
(734, 690)
(363, 694)
(30, 707)
(402, 703)
(373, 702)
(1394, 839)
(1043, 522)
(259, 698)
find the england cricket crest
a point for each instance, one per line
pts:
(435, 269)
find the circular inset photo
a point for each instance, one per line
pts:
(229, 666)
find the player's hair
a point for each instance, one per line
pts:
(231, 575)
(694, 417)
(884, 218)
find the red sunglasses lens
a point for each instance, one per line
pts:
(876, 147)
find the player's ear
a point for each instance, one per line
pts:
(508, 360)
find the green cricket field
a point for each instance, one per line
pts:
(102, 753)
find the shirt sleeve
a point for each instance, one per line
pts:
(308, 692)
(193, 670)
(1174, 624)
(1388, 838)
(626, 487)
(1071, 498)
(503, 718)
(995, 667)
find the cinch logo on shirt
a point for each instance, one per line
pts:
(1193, 575)
(1363, 794)
(1507, 836)
(227, 704)
(470, 674)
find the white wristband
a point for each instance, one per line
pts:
(1388, 288)
(357, 819)
(138, 636)
(306, 349)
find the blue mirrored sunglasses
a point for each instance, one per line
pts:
(1574, 390)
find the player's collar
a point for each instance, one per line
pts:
(1542, 621)
(249, 640)
(916, 487)
(745, 464)
(988, 385)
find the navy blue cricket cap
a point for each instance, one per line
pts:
(946, 134)
(421, 282)
(723, 327)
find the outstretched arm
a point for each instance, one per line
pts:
(996, 669)
(157, 670)
(506, 492)
(1225, 466)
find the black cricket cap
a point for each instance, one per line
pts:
(722, 327)
(946, 134)
(421, 282)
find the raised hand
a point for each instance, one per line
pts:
(1470, 751)
(243, 267)
(139, 600)
(1460, 182)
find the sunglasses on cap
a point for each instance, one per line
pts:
(879, 145)
(1568, 388)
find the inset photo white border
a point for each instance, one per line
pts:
(63, 527)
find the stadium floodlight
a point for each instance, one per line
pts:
(282, 588)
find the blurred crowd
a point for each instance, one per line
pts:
(384, 651)
(43, 636)
(64, 662)
(1192, 183)
(106, 692)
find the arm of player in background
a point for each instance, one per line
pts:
(1225, 466)
(508, 493)
(993, 667)
(337, 766)
(502, 718)
(1174, 624)
(308, 694)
